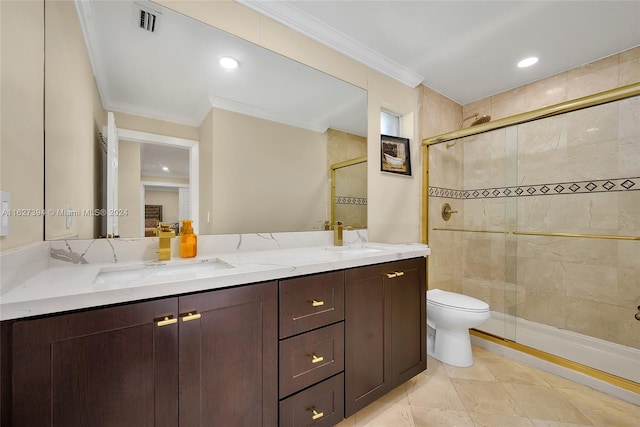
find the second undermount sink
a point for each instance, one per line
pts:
(158, 272)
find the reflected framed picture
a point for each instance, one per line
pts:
(395, 155)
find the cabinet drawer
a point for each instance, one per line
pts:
(311, 302)
(326, 399)
(309, 358)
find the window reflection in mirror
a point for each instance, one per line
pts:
(264, 130)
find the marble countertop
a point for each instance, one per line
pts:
(70, 287)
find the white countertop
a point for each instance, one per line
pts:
(71, 287)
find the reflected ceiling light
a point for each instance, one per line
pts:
(228, 62)
(527, 62)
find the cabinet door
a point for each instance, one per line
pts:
(107, 367)
(367, 336)
(408, 319)
(228, 357)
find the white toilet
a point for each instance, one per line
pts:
(451, 315)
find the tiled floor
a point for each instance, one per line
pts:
(494, 392)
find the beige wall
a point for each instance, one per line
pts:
(129, 189)
(266, 176)
(388, 193)
(21, 117)
(159, 127)
(71, 146)
(168, 200)
(206, 174)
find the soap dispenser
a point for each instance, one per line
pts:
(188, 240)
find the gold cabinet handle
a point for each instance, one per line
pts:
(316, 359)
(395, 274)
(316, 303)
(167, 320)
(316, 414)
(191, 316)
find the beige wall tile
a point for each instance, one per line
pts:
(544, 92)
(595, 77)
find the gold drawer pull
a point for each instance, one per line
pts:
(392, 275)
(168, 320)
(316, 303)
(316, 359)
(399, 273)
(191, 316)
(316, 414)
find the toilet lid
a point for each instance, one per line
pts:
(456, 301)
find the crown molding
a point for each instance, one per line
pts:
(261, 113)
(294, 18)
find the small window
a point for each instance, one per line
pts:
(389, 123)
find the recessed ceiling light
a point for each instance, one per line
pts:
(229, 62)
(166, 169)
(527, 62)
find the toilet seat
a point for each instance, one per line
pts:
(454, 301)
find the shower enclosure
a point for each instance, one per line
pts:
(349, 192)
(544, 225)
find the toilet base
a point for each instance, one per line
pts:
(453, 347)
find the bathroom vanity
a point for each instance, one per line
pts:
(322, 336)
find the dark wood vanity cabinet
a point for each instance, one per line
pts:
(303, 351)
(312, 350)
(385, 329)
(204, 359)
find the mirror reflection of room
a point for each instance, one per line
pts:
(264, 142)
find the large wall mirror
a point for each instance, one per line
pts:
(243, 150)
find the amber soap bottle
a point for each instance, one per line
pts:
(188, 240)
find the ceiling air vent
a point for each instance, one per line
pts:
(147, 21)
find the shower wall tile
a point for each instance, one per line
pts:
(628, 156)
(477, 288)
(508, 103)
(592, 213)
(629, 120)
(483, 257)
(542, 275)
(593, 125)
(544, 308)
(439, 113)
(604, 321)
(592, 282)
(595, 77)
(542, 136)
(445, 166)
(482, 107)
(629, 214)
(548, 91)
(483, 214)
(630, 66)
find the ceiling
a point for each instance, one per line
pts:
(172, 74)
(465, 50)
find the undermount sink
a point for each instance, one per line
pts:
(353, 250)
(157, 272)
